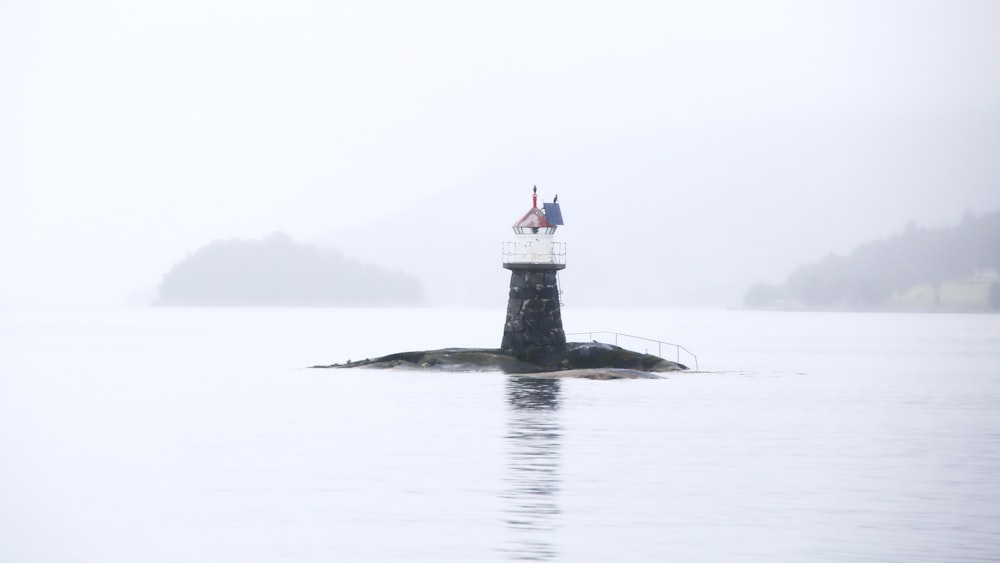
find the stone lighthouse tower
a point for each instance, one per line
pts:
(533, 330)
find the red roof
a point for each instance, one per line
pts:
(533, 218)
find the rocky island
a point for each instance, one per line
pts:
(588, 360)
(534, 343)
(277, 271)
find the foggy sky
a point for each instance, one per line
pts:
(696, 147)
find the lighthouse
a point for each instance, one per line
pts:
(533, 329)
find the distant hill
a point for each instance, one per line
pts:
(277, 271)
(953, 268)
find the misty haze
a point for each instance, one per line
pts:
(697, 151)
(949, 269)
(201, 199)
(278, 271)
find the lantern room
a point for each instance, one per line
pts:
(535, 247)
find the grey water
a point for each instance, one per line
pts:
(200, 435)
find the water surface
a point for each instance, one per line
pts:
(165, 435)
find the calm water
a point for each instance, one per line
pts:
(195, 435)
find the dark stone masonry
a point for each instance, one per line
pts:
(533, 331)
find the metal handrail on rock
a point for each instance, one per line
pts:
(659, 343)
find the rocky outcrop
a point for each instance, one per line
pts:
(598, 354)
(446, 359)
(591, 360)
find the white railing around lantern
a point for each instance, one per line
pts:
(534, 251)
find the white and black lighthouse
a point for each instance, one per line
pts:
(533, 329)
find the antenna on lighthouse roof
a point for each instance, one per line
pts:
(534, 196)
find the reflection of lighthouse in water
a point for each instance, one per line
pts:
(533, 441)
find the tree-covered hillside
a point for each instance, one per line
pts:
(949, 268)
(279, 271)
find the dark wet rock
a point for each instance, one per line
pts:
(598, 354)
(591, 360)
(446, 359)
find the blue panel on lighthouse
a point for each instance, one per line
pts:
(553, 214)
